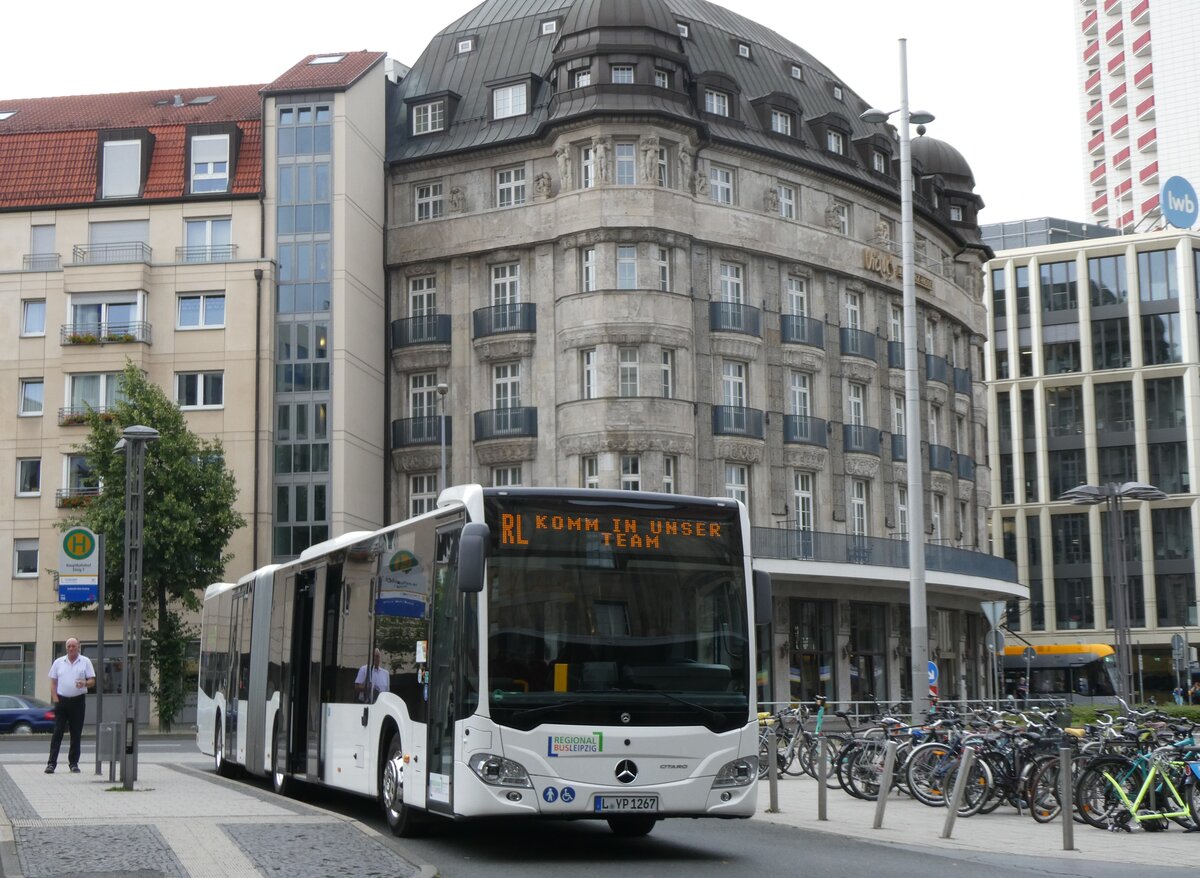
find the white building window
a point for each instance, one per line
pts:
(856, 403)
(743, 50)
(896, 323)
(731, 283)
(506, 476)
(467, 45)
(737, 481)
(589, 471)
(631, 472)
(587, 373)
(583, 78)
(720, 182)
(781, 123)
(937, 510)
(787, 201)
(210, 163)
(29, 476)
(200, 311)
(835, 141)
(682, 28)
(626, 164)
(898, 421)
(802, 498)
(860, 497)
(841, 215)
(588, 269)
(626, 267)
(506, 284)
(879, 162)
(422, 493)
(667, 373)
(670, 480)
(422, 296)
(33, 396)
(662, 79)
(33, 317)
(587, 167)
(549, 27)
(506, 386)
(853, 310)
(901, 511)
(800, 394)
(510, 187)
(122, 174)
(94, 390)
(208, 240)
(423, 403)
(430, 117)
(733, 384)
(663, 261)
(25, 558)
(956, 214)
(935, 424)
(429, 201)
(797, 72)
(200, 390)
(797, 297)
(622, 74)
(627, 371)
(716, 102)
(509, 100)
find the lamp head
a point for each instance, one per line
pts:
(920, 117)
(443, 389)
(874, 115)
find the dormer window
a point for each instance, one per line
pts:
(956, 214)
(662, 79)
(835, 142)
(797, 72)
(837, 93)
(879, 162)
(122, 169)
(509, 100)
(781, 123)
(622, 74)
(428, 118)
(549, 27)
(465, 45)
(743, 50)
(716, 102)
(682, 27)
(583, 78)
(210, 163)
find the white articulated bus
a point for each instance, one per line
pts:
(543, 652)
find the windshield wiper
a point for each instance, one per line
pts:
(713, 715)
(530, 711)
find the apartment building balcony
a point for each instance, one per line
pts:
(1116, 97)
(74, 498)
(1095, 111)
(109, 254)
(1090, 51)
(1112, 7)
(74, 415)
(1121, 159)
(860, 439)
(1123, 189)
(1140, 13)
(1100, 205)
(104, 333)
(899, 447)
(214, 253)
(1120, 128)
(41, 262)
(1144, 78)
(1116, 64)
(1125, 220)
(962, 381)
(424, 330)
(1148, 142)
(1096, 144)
(1149, 174)
(1096, 175)
(1145, 110)
(941, 458)
(895, 354)
(1091, 85)
(1141, 45)
(1089, 22)
(735, 317)
(505, 423)
(1114, 33)
(499, 319)
(937, 369)
(424, 430)
(857, 343)
(805, 430)
(737, 420)
(966, 467)
(801, 330)
(1150, 204)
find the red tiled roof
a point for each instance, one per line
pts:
(336, 75)
(140, 109)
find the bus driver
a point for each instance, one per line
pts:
(368, 689)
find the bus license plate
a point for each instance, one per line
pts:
(610, 804)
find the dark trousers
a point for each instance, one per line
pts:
(68, 713)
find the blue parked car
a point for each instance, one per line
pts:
(23, 715)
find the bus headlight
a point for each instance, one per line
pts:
(737, 773)
(498, 771)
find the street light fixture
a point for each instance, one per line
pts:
(1113, 494)
(918, 613)
(442, 390)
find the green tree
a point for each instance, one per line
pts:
(188, 496)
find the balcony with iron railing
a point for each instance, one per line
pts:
(74, 415)
(104, 333)
(860, 439)
(425, 430)
(735, 317)
(109, 254)
(737, 420)
(212, 253)
(506, 423)
(41, 262)
(966, 467)
(941, 458)
(499, 319)
(895, 352)
(937, 369)
(962, 381)
(794, 329)
(75, 497)
(899, 447)
(857, 343)
(426, 329)
(805, 430)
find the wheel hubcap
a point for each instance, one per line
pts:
(393, 784)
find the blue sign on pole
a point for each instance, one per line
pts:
(1179, 203)
(78, 594)
(933, 673)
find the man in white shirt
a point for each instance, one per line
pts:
(71, 676)
(369, 685)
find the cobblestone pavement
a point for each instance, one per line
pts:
(177, 821)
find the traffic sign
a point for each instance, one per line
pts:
(1029, 654)
(992, 610)
(1178, 646)
(79, 566)
(933, 673)
(995, 642)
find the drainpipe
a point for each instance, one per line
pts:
(258, 278)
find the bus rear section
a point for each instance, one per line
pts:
(1077, 672)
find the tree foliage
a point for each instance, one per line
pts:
(188, 497)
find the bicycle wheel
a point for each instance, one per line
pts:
(864, 772)
(978, 786)
(1098, 792)
(1000, 790)
(1192, 794)
(793, 758)
(1045, 800)
(925, 772)
(833, 746)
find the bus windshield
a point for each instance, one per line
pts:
(616, 611)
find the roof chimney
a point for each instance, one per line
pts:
(178, 101)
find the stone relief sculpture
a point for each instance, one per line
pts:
(563, 156)
(685, 163)
(541, 185)
(601, 145)
(650, 159)
(458, 200)
(833, 217)
(883, 232)
(771, 200)
(700, 183)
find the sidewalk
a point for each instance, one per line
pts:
(908, 822)
(177, 821)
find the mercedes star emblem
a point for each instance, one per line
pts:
(627, 771)
(625, 718)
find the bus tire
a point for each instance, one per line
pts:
(403, 820)
(223, 768)
(281, 783)
(631, 825)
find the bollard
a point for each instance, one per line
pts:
(773, 770)
(822, 776)
(885, 781)
(1066, 797)
(960, 786)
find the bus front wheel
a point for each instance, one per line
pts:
(631, 826)
(280, 781)
(223, 768)
(403, 820)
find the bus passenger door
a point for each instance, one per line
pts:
(443, 670)
(298, 676)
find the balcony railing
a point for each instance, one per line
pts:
(941, 458)
(966, 468)
(737, 420)
(1089, 22)
(860, 439)
(899, 447)
(1096, 144)
(801, 330)
(857, 343)
(425, 430)
(99, 254)
(937, 369)
(427, 329)
(72, 498)
(962, 381)
(104, 333)
(805, 430)
(734, 317)
(72, 415)
(497, 319)
(214, 253)
(1120, 128)
(788, 544)
(1149, 173)
(1147, 141)
(1144, 78)
(506, 423)
(1139, 12)
(895, 354)
(1142, 44)
(41, 262)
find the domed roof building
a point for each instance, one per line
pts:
(650, 244)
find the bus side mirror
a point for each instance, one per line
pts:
(762, 597)
(472, 552)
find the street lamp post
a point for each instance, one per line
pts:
(442, 390)
(918, 614)
(1113, 495)
(133, 445)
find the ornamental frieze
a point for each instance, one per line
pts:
(491, 349)
(812, 458)
(862, 465)
(734, 347)
(804, 358)
(494, 451)
(415, 460)
(625, 443)
(942, 483)
(413, 359)
(860, 373)
(732, 449)
(421, 268)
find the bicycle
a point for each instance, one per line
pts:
(1112, 791)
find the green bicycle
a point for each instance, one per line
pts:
(1116, 793)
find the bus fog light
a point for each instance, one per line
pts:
(726, 796)
(513, 796)
(737, 773)
(498, 771)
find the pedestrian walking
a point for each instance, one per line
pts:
(1022, 692)
(1177, 694)
(71, 676)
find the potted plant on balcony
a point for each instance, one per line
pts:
(119, 337)
(73, 419)
(75, 501)
(82, 338)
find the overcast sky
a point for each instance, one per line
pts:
(999, 77)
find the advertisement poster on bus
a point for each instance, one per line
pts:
(403, 585)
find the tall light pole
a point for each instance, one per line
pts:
(918, 613)
(1112, 494)
(442, 390)
(133, 444)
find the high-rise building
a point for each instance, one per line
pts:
(1137, 84)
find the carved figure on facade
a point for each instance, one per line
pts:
(414, 461)
(507, 451)
(883, 232)
(857, 465)
(458, 200)
(806, 458)
(650, 159)
(771, 200)
(685, 164)
(833, 215)
(740, 451)
(563, 156)
(601, 147)
(541, 185)
(700, 183)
